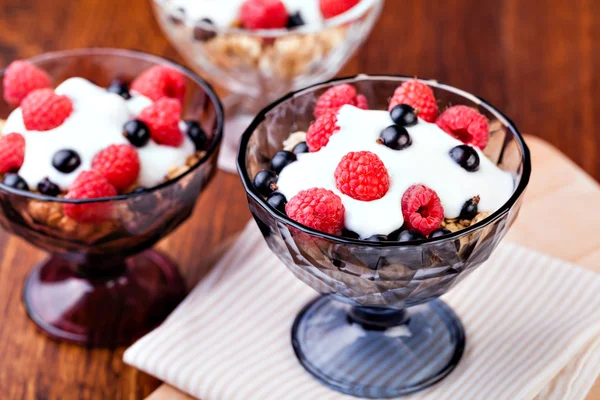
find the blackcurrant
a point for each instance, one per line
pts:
(277, 201)
(295, 20)
(439, 233)
(15, 181)
(470, 208)
(347, 233)
(377, 238)
(203, 34)
(66, 160)
(136, 132)
(265, 182)
(466, 157)
(300, 148)
(282, 159)
(49, 188)
(406, 236)
(119, 87)
(196, 134)
(404, 115)
(395, 137)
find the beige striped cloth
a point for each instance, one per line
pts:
(532, 325)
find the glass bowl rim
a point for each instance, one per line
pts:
(334, 22)
(506, 207)
(132, 54)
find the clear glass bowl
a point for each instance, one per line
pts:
(102, 286)
(380, 303)
(258, 67)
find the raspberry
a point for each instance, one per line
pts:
(419, 96)
(362, 176)
(21, 78)
(331, 8)
(361, 102)
(334, 98)
(263, 14)
(160, 81)
(119, 163)
(44, 110)
(162, 118)
(319, 131)
(422, 209)
(465, 124)
(89, 185)
(317, 208)
(12, 152)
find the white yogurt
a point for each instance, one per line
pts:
(96, 122)
(224, 13)
(425, 162)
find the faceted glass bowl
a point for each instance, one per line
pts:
(384, 294)
(258, 67)
(101, 286)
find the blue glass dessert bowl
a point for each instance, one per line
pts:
(379, 330)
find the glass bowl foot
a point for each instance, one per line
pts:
(102, 307)
(366, 352)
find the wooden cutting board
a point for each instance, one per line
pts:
(561, 206)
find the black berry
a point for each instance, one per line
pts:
(295, 20)
(66, 160)
(136, 132)
(282, 159)
(177, 18)
(466, 157)
(404, 115)
(15, 181)
(439, 233)
(119, 87)
(395, 137)
(49, 188)
(196, 134)
(203, 34)
(406, 236)
(277, 201)
(347, 233)
(469, 209)
(300, 148)
(265, 182)
(377, 238)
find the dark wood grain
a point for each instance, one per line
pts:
(536, 60)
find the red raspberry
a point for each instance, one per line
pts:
(331, 8)
(21, 78)
(160, 81)
(362, 176)
(361, 102)
(89, 185)
(12, 152)
(119, 163)
(44, 110)
(162, 119)
(263, 14)
(320, 131)
(466, 124)
(317, 208)
(422, 209)
(334, 98)
(419, 96)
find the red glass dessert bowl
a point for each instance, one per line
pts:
(102, 285)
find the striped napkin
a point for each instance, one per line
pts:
(532, 325)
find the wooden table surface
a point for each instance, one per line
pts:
(534, 60)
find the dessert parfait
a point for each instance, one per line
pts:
(382, 193)
(403, 174)
(82, 141)
(103, 152)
